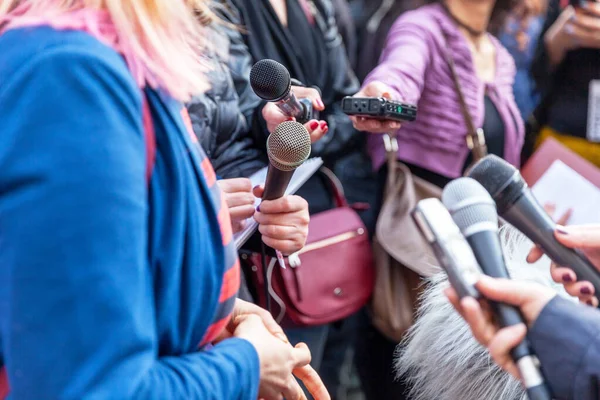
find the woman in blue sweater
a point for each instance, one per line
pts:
(118, 274)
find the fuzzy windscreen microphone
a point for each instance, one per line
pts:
(440, 358)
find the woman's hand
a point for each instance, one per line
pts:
(278, 362)
(531, 298)
(374, 89)
(585, 238)
(317, 129)
(574, 28)
(239, 199)
(283, 223)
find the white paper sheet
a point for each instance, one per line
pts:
(300, 177)
(565, 188)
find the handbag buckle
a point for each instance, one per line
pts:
(391, 143)
(480, 139)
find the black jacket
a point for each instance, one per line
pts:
(222, 116)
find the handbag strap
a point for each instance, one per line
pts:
(475, 136)
(337, 190)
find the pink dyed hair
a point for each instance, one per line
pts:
(161, 40)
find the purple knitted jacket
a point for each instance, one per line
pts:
(414, 65)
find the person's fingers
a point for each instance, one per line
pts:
(243, 307)
(285, 246)
(237, 226)
(316, 129)
(235, 185)
(503, 342)
(583, 290)
(535, 254)
(309, 93)
(298, 219)
(375, 89)
(593, 302)
(241, 213)
(240, 198)
(258, 191)
(528, 296)
(481, 326)
(454, 299)
(550, 209)
(281, 232)
(564, 219)
(301, 355)
(579, 236)
(313, 382)
(292, 390)
(283, 205)
(561, 274)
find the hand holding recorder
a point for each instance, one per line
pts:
(373, 110)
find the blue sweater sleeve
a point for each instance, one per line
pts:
(566, 339)
(77, 316)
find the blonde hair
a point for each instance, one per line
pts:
(163, 35)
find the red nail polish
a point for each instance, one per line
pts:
(567, 278)
(314, 125)
(258, 208)
(324, 125)
(586, 290)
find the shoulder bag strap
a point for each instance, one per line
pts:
(475, 136)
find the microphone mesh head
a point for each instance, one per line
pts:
(270, 80)
(288, 146)
(493, 173)
(469, 203)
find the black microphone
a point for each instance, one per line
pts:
(474, 211)
(271, 82)
(287, 147)
(449, 246)
(517, 205)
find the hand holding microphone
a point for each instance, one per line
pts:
(517, 205)
(586, 238)
(271, 81)
(474, 212)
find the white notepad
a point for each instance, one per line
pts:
(301, 175)
(567, 189)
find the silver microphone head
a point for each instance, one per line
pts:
(470, 205)
(288, 146)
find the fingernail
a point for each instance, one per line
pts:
(258, 208)
(386, 94)
(320, 103)
(585, 290)
(256, 187)
(567, 278)
(314, 125)
(324, 125)
(561, 230)
(589, 303)
(291, 119)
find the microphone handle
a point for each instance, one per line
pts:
(276, 183)
(540, 392)
(528, 216)
(488, 252)
(291, 107)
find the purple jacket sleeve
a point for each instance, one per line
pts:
(404, 60)
(566, 339)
